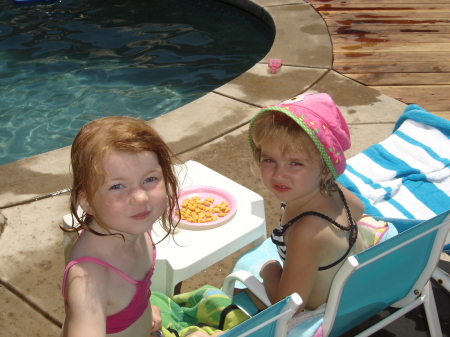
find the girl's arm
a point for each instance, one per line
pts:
(304, 253)
(271, 274)
(87, 296)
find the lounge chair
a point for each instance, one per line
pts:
(395, 273)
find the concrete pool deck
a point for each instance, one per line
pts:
(210, 130)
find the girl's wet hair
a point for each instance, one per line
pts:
(276, 126)
(102, 136)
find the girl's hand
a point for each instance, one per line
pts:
(156, 318)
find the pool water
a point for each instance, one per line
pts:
(67, 63)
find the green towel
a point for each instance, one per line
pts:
(206, 309)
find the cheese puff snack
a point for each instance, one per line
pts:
(197, 211)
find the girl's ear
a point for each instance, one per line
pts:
(328, 176)
(84, 204)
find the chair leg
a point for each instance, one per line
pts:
(391, 318)
(431, 311)
(442, 278)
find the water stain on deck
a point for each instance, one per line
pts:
(358, 54)
(349, 22)
(360, 34)
(395, 39)
(419, 30)
(332, 7)
(360, 46)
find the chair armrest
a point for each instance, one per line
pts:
(251, 282)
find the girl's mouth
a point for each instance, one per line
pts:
(280, 188)
(141, 216)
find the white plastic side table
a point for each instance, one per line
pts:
(196, 250)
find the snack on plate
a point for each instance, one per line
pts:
(195, 210)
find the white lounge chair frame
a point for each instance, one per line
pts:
(274, 320)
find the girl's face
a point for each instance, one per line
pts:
(133, 194)
(292, 176)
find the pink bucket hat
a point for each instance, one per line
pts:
(320, 118)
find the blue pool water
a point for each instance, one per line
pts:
(64, 64)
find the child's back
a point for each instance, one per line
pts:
(314, 236)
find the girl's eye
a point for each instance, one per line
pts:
(267, 160)
(116, 187)
(296, 164)
(149, 180)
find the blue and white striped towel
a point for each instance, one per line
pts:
(406, 176)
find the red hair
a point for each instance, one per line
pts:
(126, 134)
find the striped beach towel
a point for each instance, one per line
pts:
(406, 176)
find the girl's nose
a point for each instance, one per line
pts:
(139, 196)
(278, 172)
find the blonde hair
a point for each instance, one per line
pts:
(275, 126)
(126, 134)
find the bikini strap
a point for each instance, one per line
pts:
(352, 223)
(352, 228)
(93, 260)
(107, 265)
(100, 262)
(331, 265)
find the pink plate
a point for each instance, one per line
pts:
(204, 192)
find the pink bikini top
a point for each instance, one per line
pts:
(126, 317)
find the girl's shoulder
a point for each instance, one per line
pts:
(354, 203)
(86, 260)
(86, 278)
(88, 245)
(87, 268)
(308, 229)
(85, 289)
(313, 224)
(315, 213)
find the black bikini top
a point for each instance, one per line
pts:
(278, 233)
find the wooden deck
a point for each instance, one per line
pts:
(398, 47)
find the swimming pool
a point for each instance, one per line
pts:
(64, 64)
